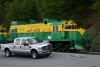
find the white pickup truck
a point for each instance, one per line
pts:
(27, 45)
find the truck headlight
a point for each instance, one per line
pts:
(40, 49)
(45, 48)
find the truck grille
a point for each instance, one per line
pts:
(47, 47)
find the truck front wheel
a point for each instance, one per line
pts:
(47, 55)
(7, 53)
(34, 54)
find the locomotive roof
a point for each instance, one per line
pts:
(24, 37)
(56, 23)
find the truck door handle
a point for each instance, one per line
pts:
(29, 46)
(20, 46)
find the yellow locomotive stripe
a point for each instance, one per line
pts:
(41, 27)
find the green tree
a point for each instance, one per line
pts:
(2, 10)
(64, 9)
(21, 10)
(96, 6)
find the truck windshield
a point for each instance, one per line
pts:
(33, 40)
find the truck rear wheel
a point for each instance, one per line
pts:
(7, 53)
(34, 54)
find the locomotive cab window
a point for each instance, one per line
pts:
(73, 26)
(68, 27)
(5, 30)
(45, 21)
(2, 31)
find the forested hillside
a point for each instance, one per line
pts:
(86, 13)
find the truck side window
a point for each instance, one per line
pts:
(23, 41)
(17, 42)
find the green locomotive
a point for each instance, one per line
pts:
(63, 35)
(3, 35)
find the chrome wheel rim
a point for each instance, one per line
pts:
(7, 53)
(34, 55)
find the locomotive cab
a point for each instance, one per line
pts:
(77, 37)
(70, 25)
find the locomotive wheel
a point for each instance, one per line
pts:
(64, 47)
(54, 47)
(67, 48)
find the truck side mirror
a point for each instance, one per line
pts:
(26, 44)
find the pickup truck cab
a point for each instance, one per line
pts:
(27, 45)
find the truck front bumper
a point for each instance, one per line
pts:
(46, 52)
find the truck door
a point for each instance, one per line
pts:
(25, 48)
(17, 46)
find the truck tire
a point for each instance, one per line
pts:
(8, 53)
(34, 54)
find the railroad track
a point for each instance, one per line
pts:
(81, 52)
